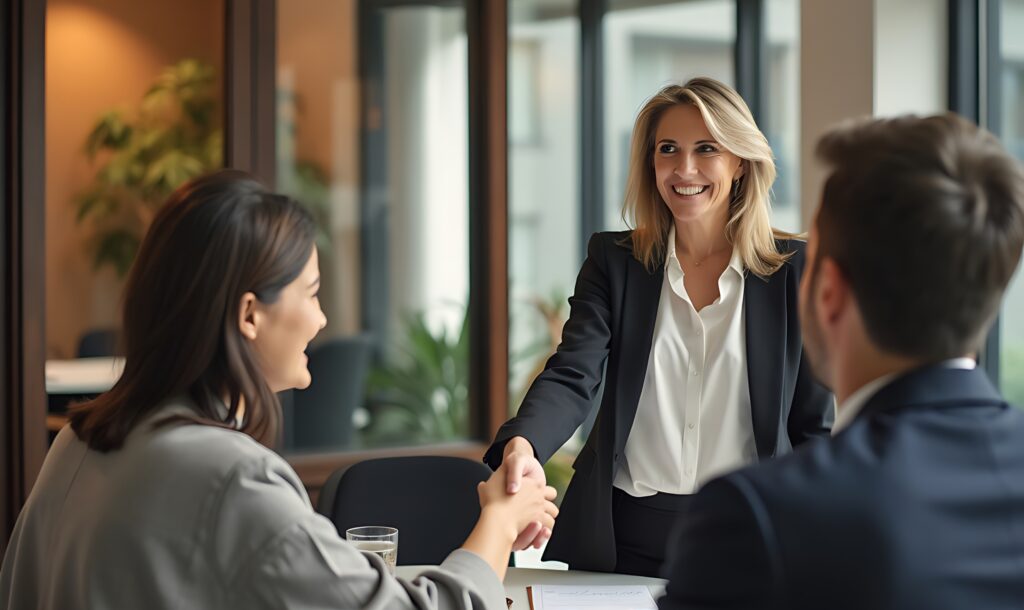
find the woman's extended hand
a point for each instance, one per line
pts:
(520, 464)
(519, 459)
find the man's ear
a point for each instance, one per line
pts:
(248, 316)
(833, 291)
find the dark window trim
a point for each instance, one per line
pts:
(374, 261)
(22, 254)
(592, 133)
(992, 55)
(968, 48)
(991, 102)
(487, 24)
(8, 456)
(250, 60)
(751, 56)
(963, 58)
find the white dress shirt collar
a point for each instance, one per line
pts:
(852, 406)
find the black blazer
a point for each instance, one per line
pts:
(919, 504)
(613, 311)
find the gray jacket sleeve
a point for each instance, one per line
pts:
(274, 551)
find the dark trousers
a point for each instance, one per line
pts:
(642, 528)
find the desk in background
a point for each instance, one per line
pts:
(78, 379)
(517, 579)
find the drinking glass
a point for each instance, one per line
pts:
(377, 539)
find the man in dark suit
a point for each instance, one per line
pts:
(918, 499)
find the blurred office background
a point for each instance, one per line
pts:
(457, 154)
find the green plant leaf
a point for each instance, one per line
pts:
(110, 132)
(171, 137)
(429, 378)
(172, 169)
(118, 248)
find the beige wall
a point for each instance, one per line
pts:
(101, 54)
(836, 78)
(866, 58)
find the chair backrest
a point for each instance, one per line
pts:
(321, 415)
(432, 500)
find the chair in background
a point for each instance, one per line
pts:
(98, 343)
(432, 500)
(320, 416)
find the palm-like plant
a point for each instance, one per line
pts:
(424, 394)
(173, 136)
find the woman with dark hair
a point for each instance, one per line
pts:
(158, 494)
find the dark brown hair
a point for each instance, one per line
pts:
(215, 239)
(925, 217)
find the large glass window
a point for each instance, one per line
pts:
(648, 45)
(373, 136)
(1011, 122)
(543, 158)
(781, 116)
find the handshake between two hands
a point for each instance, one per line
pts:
(521, 487)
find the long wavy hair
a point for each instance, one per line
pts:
(730, 123)
(215, 239)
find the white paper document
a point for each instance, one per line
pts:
(591, 597)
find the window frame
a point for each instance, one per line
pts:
(974, 54)
(22, 256)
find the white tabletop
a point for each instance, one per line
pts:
(517, 579)
(82, 375)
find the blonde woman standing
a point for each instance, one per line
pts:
(689, 322)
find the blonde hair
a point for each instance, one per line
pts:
(730, 123)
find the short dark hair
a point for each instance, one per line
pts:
(215, 239)
(925, 217)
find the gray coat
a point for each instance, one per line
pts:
(194, 516)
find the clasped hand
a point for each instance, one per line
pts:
(521, 468)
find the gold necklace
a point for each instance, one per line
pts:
(709, 255)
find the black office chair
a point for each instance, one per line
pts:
(98, 343)
(320, 417)
(432, 500)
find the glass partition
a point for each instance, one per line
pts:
(1011, 121)
(373, 137)
(781, 117)
(543, 153)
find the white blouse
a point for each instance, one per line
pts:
(693, 419)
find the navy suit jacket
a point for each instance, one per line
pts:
(918, 504)
(611, 325)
